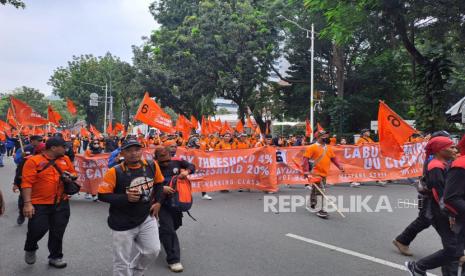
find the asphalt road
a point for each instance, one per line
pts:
(234, 236)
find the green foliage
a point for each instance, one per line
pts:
(87, 74)
(15, 3)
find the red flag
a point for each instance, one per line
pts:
(25, 115)
(71, 107)
(11, 119)
(194, 122)
(53, 116)
(319, 127)
(151, 114)
(240, 127)
(308, 128)
(393, 132)
(94, 131)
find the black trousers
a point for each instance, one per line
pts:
(53, 219)
(170, 221)
(20, 203)
(453, 246)
(419, 224)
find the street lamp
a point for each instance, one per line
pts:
(105, 101)
(311, 35)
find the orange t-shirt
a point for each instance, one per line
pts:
(241, 145)
(364, 140)
(45, 185)
(314, 152)
(223, 146)
(332, 141)
(109, 179)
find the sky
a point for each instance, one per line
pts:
(46, 34)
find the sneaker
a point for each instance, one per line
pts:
(240, 191)
(403, 249)
(206, 197)
(413, 269)
(95, 198)
(88, 196)
(177, 267)
(355, 184)
(57, 263)
(322, 214)
(381, 183)
(20, 220)
(30, 257)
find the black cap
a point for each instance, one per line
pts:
(440, 133)
(364, 130)
(55, 141)
(268, 136)
(130, 143)
(36, 138)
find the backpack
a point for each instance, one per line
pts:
(181, 200)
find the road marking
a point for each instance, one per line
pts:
(350, 252)
(408, 203)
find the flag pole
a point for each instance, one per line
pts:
(17, 123)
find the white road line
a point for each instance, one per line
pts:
(408, 203)
(350, 252)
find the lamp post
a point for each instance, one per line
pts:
(311, 35)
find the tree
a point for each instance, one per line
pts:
(87, 74)
(404, 22)
(207, 49)
(31, 96)
(15, 3)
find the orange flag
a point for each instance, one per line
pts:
(226, 128)
(25, 115)
(215, 126)
(184, 126)
(110, 128)
(151, 114)
(393, 132)
(204, 127)
(308, 128)
(319, 127)
(26, 131)
(53, 116)
(194, 122)
(71, 107)
(39, 131)
(11, 119)
(240, 127)
(95, 131)
(85, 132)
(4, 126)
(119, 127)
(249, 123)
